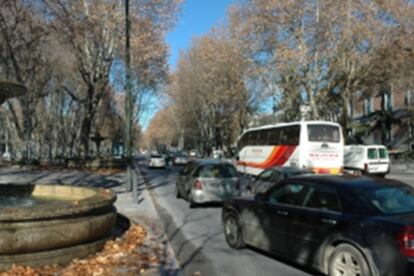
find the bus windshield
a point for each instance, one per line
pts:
(323, 133)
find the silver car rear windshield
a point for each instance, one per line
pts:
(390, 200)
(216, 171)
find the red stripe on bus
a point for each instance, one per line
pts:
(284, 156)
(273, 154)
(278, 156)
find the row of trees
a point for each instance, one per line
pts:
(282, 54)
(69, 54)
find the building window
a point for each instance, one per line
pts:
(367, 106)
(388, 101)
(351, 109)
(408, 98)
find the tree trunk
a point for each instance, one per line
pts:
(382, 119)
(344, 115)
(85, 133)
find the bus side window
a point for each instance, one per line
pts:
(263, 137)
(259, 138)
(274, 137)
(241, 143)
(284, 138)
(295, 135)
(290, 135)
(250, 139)
(267, 137)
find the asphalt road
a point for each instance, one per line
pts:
(197, 236)
(406, 178)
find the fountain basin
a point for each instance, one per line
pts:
(53, 224)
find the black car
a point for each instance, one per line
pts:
(339, 225)
(272, 176)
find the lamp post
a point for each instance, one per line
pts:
(128, 99)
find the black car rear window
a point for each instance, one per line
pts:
(390, 200)
(217, 171)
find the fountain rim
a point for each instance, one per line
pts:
(95, 200)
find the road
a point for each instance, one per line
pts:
(407, 178)
(197, 237)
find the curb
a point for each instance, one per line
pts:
(156, 245)
(157, 240)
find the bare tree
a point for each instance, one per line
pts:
(23, 59)
(94, 31)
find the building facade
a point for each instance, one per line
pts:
(388, 116)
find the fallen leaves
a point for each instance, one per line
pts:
(121, 256)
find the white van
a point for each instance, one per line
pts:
(367, 159)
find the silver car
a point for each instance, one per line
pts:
(180, 159)
(203, 181)
(157, 161)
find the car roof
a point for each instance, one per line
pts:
(212, 162)
(349, 181)
(289, 169)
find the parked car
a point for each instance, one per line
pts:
(367, 159)
(180, 159)
(218, 154)
(272, 176)
(202, 181)
(340, 225)
(157, 161)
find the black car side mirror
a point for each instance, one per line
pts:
(260, 196)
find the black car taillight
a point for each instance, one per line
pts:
(198, 185)
(406, 241)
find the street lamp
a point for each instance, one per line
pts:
(128, 100)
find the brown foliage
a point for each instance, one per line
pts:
(64, 51)
(320, 52)
(209, 93)
(119, 257)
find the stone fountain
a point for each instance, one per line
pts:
(51, 224)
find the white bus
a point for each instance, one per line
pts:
(314, 145)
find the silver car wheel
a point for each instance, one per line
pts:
(345, 264)
(232, 230)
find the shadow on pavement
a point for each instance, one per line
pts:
(76, 178)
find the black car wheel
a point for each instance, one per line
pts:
(233, 231)
(177, 192)
(347, 260)
(190, 200)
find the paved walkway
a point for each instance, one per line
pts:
(143, 212)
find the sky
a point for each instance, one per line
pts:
(196, 19)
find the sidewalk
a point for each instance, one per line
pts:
(143, 213)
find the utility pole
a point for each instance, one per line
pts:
(128, 100)
(314, 111)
